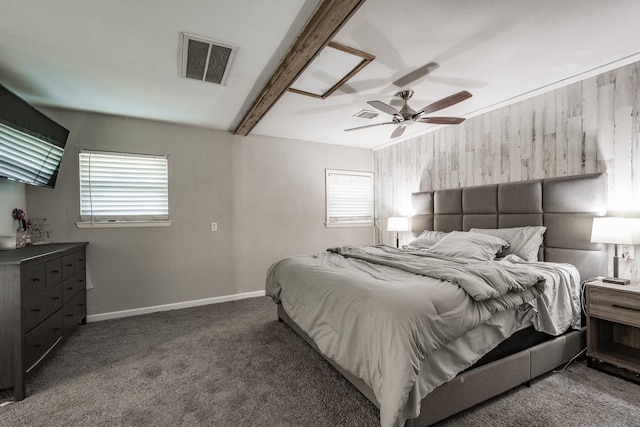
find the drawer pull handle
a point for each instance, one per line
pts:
(81, 259)
(56, 329)
(625, 308)
(36, 310)
(70, 288)
(81, 305)
(55, 298)
(37, 346)
(36, 279)
(69, 265)
(70, 315)
(55, 272)
(80, 280)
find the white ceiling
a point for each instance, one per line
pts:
(122, 57)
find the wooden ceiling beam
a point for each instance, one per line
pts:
(325, 23)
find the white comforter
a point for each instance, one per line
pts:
(385, 325)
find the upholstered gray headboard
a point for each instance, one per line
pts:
(566, 206)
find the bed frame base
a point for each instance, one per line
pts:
(476, 385)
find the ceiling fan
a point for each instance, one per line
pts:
(408, 116)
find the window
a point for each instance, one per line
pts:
(349, 198)
(121, 189)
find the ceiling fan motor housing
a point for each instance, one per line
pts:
(407, 113)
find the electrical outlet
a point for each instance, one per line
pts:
(628, 252)
(214, 226)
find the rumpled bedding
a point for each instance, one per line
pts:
(381, 312)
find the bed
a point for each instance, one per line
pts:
(477, 351)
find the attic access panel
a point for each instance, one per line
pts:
(205, 60)
(333, 67)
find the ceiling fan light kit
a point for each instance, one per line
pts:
(407, 116)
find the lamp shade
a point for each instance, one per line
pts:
(619, 231)
(396, 223)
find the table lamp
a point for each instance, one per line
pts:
(396, 223)
(616, 231)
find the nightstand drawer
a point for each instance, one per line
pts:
(616, 306)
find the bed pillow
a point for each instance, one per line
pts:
(524, 242)
(427, 239)
(475, 246)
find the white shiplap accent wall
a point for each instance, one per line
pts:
(589, 126)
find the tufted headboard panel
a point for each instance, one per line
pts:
(566, 206)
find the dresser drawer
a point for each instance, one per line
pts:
(33, 280)
(68, 265)
(80, 260)
(615, 306)
(72, 286)
(53, 271)
(41, 306)
(73, 313)
(40, 340)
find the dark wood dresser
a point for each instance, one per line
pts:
(42, 299)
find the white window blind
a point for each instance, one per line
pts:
(123, 187)
(349, 198)
(27, 158)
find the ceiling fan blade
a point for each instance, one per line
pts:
(442, 120)
(398, 131)
(416, 74)
(370, 126)
(383, 107)
(445, 102)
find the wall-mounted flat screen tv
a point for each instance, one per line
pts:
(31, 144)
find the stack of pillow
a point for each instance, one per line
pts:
(483, 244)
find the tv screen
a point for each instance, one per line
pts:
(31, 144)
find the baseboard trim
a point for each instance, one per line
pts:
(174, 306)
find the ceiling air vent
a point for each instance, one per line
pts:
(205, 60)
(366, 114)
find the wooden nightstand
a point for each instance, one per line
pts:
(613, 325)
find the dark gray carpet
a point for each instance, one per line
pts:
(234, 364)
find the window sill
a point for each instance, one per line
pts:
(122, 224)
(347, 224)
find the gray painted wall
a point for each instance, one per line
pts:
(266, 194)
(12, 195)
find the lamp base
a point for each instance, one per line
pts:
(616, 281)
